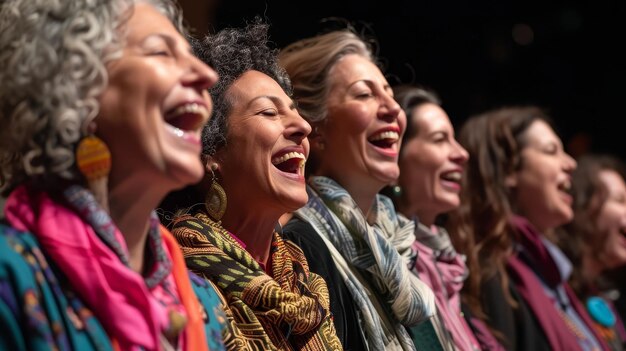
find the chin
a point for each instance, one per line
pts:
(184, 176)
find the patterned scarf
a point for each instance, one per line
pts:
(86, 245)
(286, 312)
(380, 252)
(438, 241)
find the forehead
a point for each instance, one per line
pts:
(253, 84)
(354, 67)
(146, 20)
(539, 132)
(429, 117)
(611, 180)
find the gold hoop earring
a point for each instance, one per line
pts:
(215, 200)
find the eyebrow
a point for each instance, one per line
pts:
(370, 82)
(169, 40)
(275, 99)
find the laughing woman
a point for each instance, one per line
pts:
(515, 193)
(355, 145)
(254, 151)
(84, 264)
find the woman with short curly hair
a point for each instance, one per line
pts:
(254, 150)
(101, 106)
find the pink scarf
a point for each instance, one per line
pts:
(118, 296)
(525, 279)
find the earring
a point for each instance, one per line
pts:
(396, 190)
(93, 160)
(321, 145)
(215, 201)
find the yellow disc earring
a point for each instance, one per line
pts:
(93, 159)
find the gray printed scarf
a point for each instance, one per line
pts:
(381, 253)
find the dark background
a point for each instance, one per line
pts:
(563, 56)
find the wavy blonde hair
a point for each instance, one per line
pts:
(52, 68)
(308, 62)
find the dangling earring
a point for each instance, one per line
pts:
(215, 201)
(93, 159)
(396, 190)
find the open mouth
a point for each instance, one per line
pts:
(384, 139)
(290, 162)
(565, 187)
(452, 176)
(187, 117)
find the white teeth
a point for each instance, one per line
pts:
(387, 135)
(454, 176)
(191, 108)
(176, 131)
(288, 156)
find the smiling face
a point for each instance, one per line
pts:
(266, 147)
(363, 127)
(155, 104)
(431, 165)
(611, 220)
(541, 185)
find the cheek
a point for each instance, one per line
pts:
(351, 119)
(608, 219)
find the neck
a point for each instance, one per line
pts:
(590, 267)
(130, 207)
(424, 217)
(254, 228)
(362, 192)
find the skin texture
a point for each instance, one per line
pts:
(427, 158)
(263, 125)
(612, 221)
(156, 73)
(540, 185)
(360, 105)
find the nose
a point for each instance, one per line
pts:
(199, 75)
(296, 127)
(569, 164)
(459, 154)
(389, 109)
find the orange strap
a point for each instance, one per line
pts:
(196, 338)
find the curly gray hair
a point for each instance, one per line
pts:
(52, 68)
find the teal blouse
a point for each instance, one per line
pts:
(39, 310)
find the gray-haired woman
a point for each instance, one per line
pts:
(101, 106)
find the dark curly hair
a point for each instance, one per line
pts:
(232, 52)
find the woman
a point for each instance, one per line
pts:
(254, 151)
(431, 166)
(84, 263)
(515, 192)
(594, 240)
(355, 144)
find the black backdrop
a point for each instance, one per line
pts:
(483, 54)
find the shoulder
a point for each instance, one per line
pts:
(38, 312)
(18, 251)
(303, 235)
(213, 305)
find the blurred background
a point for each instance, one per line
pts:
(567, 57)
(564, 56)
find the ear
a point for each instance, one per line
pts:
(510, 181)
(211, 165)
(316, 138)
